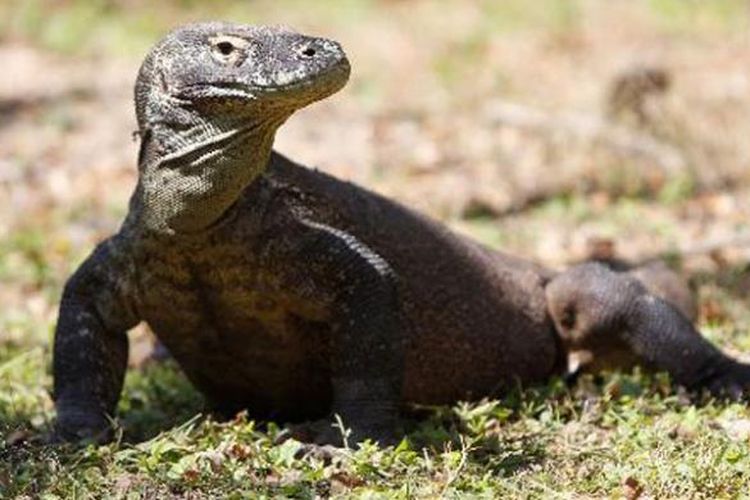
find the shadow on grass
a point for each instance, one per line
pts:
(156, 398)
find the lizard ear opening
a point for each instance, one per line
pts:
(145, 136)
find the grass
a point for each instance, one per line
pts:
(600, 437)
(615, 435)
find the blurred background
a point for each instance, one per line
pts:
(551, 129)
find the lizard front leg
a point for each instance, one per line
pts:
(327, 265)
(90, 349)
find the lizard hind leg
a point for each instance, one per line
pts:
(616, 317)
(586, 304)
(668, 285)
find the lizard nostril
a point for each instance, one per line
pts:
(308, 52)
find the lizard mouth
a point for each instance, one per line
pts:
(296, 92)
(322, 84)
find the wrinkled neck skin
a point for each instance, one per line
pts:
(193, 169)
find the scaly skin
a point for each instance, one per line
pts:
(295, 295)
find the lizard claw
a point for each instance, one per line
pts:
(733, 383)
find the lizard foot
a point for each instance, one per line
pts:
(81, 426)
(731, 383)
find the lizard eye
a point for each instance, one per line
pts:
(225, 48)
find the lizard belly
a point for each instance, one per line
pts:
(245, 350)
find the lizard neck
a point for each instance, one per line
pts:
(191, 175)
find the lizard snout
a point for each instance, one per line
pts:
(321, 52)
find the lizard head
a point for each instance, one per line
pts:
(233, 72)
(209, 98)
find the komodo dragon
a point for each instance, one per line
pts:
(283, 290)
